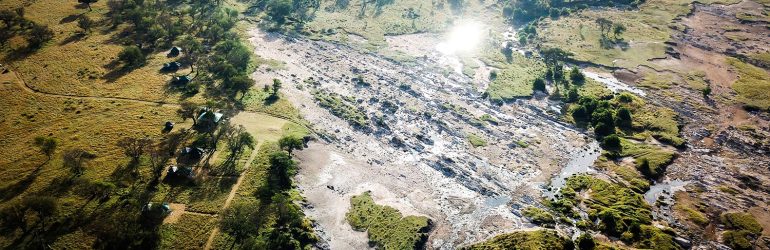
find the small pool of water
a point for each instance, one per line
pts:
(581, 162)
(666, 188)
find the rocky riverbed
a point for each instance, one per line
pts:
(413, 153)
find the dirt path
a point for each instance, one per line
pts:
(230, 196)
(26, 87)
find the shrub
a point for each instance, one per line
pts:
(576, 76)
(131, 57)
(623, 118)
(539, 216)
(738, 240)
(572, 95)
(611, 142)
(539, 85)
(585, 242)
(604, 129)
(741, 221)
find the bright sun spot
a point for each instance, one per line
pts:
(464, 37)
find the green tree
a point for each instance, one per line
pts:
(75, 160)
(572, 95)
(580, 114)
(237, 142)
(87, 3)
(46, 145)
(44, 206)
(134, 147)
(539, 85)
(279, 10)
(96, 189)
(85, 23)
(618, 29)
(188, 110)
(706, 91)
(611, 142)
(282, 168)
(131, 57)
(603, 129)
(276, 86)
(239, 84)
(291, 142)
(38, 35)
(576, 76)
(585, 242)
(240, 220)
(623, 118)
(604, 25)
(553, 56)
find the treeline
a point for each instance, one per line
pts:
(281, 12)
(524, 11)
(270, 219)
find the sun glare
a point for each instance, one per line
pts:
(464, 37)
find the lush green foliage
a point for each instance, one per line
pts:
(753, 85)
(741, 221)
(132, 57)
(386, 227)
(538, 216)
(651, 160)
(476, 141)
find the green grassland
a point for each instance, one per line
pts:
(385, 226)
(514, 79)
(655, 157)
(190, 232)
(538, 216)
(74, 63)
(629, 174)
(647, 29)
(541, 239)
(753, 85)
(514, 72)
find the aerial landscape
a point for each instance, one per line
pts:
(385, 124)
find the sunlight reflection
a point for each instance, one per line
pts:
(465, 36)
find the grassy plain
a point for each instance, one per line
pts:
(753, 85)
(647, 30)
(84, 99)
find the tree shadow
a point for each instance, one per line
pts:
(13, 190)
(77, 36)
(70, 18)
